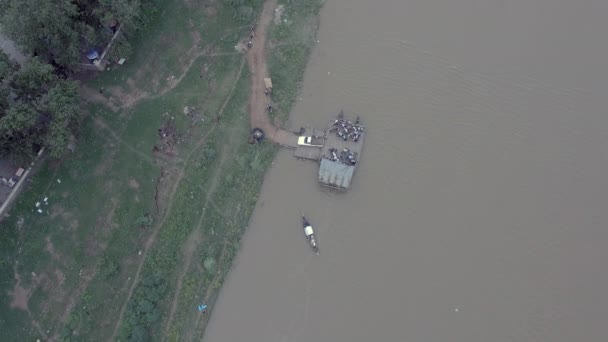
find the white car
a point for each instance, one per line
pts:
(310, 141)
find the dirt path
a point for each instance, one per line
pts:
(256, 61)
(149, 243)
(101, 123)
(94, 96)
(191, 247)
(258, 101)
(152, 239)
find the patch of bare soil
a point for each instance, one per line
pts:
(58, 210)
(107, 161)
(92, 246)
(211, 11)
(73, 225)
(60, 276)
(51, 283)
(49, 248)
(133, 184)
(127, 98)
(96, 96)
(19, 295)
(19, 300)
(168, 138)
(105, 222)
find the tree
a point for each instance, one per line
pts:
(64, 108)
(8, 68)
(18, 132)
(62, 31)
(33, 80)
(36, 109)
(45, 28)
(109, 12)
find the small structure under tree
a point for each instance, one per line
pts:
(268, 84)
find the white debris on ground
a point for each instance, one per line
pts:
(241, 47)
(58, 180)
(46, 202)
(278, 14)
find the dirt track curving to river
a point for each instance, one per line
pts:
(258, 101)
(479, 210)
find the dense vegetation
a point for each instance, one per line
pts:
(62, 31)
(36, 109)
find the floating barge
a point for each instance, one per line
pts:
(337, 149)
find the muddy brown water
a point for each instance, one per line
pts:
(479, 211)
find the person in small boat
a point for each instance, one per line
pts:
(308, 231)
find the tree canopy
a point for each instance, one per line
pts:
(61, 31)
(36, 109)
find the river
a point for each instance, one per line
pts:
(480, 209)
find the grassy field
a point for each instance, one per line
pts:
(132, 240)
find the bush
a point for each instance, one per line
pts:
(108, 267)
(143, 310)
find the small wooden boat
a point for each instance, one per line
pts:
(310, 234)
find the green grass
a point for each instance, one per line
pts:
(97, 221)
(294, 40)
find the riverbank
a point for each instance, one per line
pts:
(478, 212)
(141, 224)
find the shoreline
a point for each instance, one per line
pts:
(165, 224)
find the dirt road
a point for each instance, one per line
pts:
(258, 101)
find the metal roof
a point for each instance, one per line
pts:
(268, 83)
(335, 174)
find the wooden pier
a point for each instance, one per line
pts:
(334, 171)
(310, 152)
